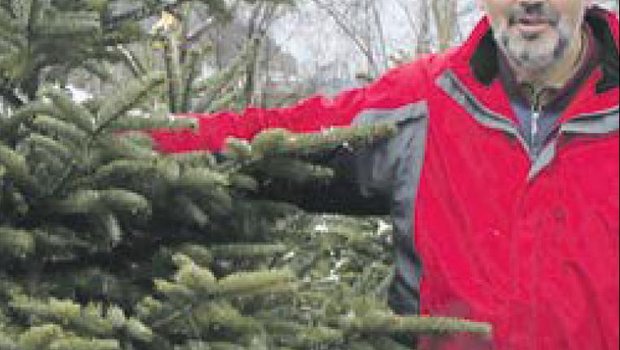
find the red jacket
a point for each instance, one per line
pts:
(528, 244)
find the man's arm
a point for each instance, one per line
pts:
(360, 174)
(310, 115)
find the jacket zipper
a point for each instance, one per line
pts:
(536, 114)
(534, 123)
(537, 111)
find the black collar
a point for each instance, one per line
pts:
(485, 61)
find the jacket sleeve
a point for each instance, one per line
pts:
(310, 115)
(360, 174)
(378, 178)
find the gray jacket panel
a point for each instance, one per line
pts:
(393, 167)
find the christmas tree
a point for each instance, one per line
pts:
(107, 244)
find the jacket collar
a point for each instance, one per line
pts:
(482, 49)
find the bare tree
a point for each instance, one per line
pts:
(423, 43)
(261, 17)
(445, 15)
(337, 39)
(361, 22)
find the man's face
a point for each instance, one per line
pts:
(535, 33)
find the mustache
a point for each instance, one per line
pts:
(528, 11)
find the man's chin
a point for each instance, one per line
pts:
(532, 61)
(532, 54)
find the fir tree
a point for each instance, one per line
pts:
(108, 244)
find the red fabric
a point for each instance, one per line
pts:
(310, 115)
(538, 259)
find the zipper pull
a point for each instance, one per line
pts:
(534, 124)
(536, 113)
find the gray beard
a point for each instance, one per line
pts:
(533, 54)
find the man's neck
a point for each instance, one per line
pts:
(562, 71)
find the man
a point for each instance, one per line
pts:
(503, 176)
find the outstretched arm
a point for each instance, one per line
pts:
(361, 173)
(310, 115)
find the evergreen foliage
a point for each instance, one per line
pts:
(107, 244)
